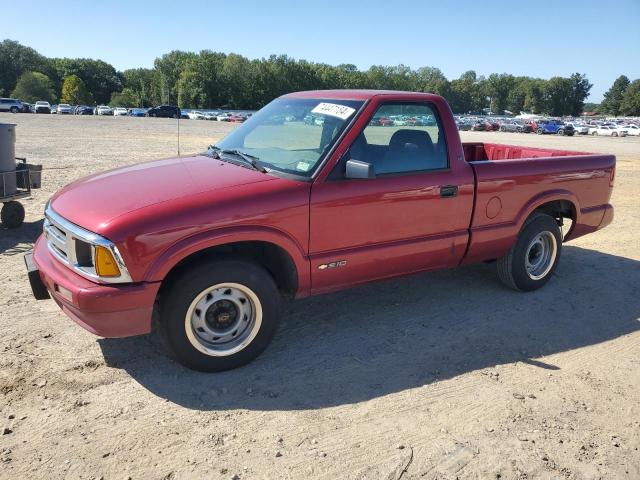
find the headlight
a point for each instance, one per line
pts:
(86, 253)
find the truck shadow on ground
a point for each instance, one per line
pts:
(368, 342)
(13, 240)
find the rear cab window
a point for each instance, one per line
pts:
(412, 141)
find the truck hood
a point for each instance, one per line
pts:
(94, 201)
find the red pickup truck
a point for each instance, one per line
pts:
(210, 245)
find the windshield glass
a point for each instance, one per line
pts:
(292, 135)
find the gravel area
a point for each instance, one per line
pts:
(437, 376)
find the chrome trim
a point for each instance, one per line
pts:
(61, 237)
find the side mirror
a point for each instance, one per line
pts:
(355, 169)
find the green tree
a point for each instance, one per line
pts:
(580, 88)
(74, 91)
(100, 77)
(16, 59)
(630, 104)
(126, 98)
(34, 86)
(613, 97)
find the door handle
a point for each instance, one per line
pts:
(448, 190)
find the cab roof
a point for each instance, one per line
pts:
(357, 94)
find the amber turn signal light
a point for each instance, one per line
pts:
(106, 265)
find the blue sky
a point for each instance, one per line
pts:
(536, 38)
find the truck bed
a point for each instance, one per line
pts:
(475, 152)
(511, 180)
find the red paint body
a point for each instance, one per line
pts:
(158, 213)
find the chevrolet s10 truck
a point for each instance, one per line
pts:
(210, 245)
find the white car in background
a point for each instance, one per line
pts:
(632, 130)
(223, 117)
(610, 131)
(211, 116)
(580, 128)
(120, 112)
(64, 109)
(196, 115)
(104, 110)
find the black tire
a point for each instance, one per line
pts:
(539, 131)
(14, 110)
(512, 266)
(561, 132)
(12, 214)
(614, 134)
(179, 295)
(175, 115)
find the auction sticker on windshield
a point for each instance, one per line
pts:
(334, 110)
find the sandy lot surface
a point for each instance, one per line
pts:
(437, 376)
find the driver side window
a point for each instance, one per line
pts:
(402, 138)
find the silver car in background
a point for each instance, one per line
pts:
(11, 105)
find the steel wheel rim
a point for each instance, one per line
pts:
(540, 255)
(223, 319)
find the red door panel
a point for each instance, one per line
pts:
(369, 229)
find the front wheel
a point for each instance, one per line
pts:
(13, 109)
(561, 132)
(529, 264)
(539, 131)
(614, 134)
(220, 314)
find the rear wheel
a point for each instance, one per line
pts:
(14, 109)
(12, 214)
(529, 264)
(614, 134)
(539, 131)
(220, 315)
(561, 132)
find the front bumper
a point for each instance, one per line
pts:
(105, 310)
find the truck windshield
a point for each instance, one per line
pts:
(292, 135)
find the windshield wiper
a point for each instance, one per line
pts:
(248, 159)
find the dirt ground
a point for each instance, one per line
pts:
(437, 376)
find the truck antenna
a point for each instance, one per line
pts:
(178, 135)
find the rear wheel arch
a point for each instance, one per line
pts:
(559, 205)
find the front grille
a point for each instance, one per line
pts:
(74, 246)
(59, 240)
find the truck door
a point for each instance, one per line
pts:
(414, 215)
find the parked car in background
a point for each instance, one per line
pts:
(84, 110)
(12, 105)
(28, 107)
(164, 111)
(223, 117)
(137, 112)
(556, 127)
(213, 116)
(64, 109)
(54, 109)
(609, 131)
(42, 107)
(463, 126)
(579, 128)
(515, 127)
(196, 115)
(632, 130)
(479, 126)
(104, 110)
(120, 112)
(237, 118)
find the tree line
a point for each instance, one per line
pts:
(211, 79)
